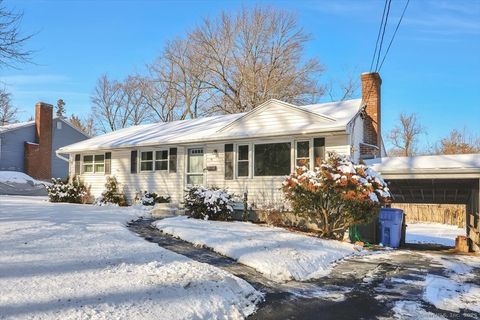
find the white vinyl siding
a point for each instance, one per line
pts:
(261, 190)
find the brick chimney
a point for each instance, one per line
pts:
(372, 131)
(38, 154)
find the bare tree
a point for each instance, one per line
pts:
(131, 101)
(8, 113)
(253, 56)
(85, 125)
(458, 142)
(12, 43)
(106, 108)
(343, 90)
(404, 136)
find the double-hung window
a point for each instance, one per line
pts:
(94, 163)
(146, 161)
(243, 161)
(161, 160)
(302, 154)
(154, 160)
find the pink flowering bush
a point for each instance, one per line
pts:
(337, 194)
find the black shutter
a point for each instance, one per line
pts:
(108, 162)
(133, 161)
(229, 162)
(172, 160)
(77, 165)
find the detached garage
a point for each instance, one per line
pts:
(439, 179)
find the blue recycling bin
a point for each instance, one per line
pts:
(390, 221)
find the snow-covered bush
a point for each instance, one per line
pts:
(112, 193)
(208, 203)
(337, 194)
(64, 191)
(150, 198)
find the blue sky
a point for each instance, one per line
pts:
(433, 68)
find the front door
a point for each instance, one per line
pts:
(195, 167)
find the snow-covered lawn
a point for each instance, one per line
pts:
(435, 233)
(277, 253)
(65, 261)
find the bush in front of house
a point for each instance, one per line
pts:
(337, 194)
(151, 198)
(112, 194)
(65, 191)
(209, 203)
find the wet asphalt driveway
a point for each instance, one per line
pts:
(360, 287)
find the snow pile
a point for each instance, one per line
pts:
(435, 233)
(68, 261)
(18, 177)
(278, 254)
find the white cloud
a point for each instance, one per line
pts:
(24, 79)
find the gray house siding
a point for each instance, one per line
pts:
(62, 137)
(12, 147)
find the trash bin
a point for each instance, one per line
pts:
(390, 221)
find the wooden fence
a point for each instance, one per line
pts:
(453, 214)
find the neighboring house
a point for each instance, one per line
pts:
(247, 152)
(30, 146)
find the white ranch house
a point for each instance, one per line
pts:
(246, 152)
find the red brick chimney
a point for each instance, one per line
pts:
(372, 131)
(38, 155)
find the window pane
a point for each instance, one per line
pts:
(195, 180)
(161, 165)
(87, 159)
(303, 149)
(99, 158)
(147, 155)
(272, 159)
(146, 166)
(88, 168)
(99, 168)
(243, 169)
(161, 155)
(242, 152)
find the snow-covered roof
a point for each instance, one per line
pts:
(441, 163)
(13, 126)
(272, 118)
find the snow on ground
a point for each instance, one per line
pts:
(277, 253)
(67, 261)
(454, 292)
(17, 177)
(435, 233)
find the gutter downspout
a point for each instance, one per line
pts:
(61, 157)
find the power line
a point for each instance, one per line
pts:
(394, 33)
(383, 34)
(379, 32)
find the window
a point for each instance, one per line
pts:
(99, 162)
(59, 125)
(242, 161)
(87, 164)
(94, 163)
(229, 161)
(161, 160)
(318, 151)
(303, 154)
(272, 159)
(146, 161)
